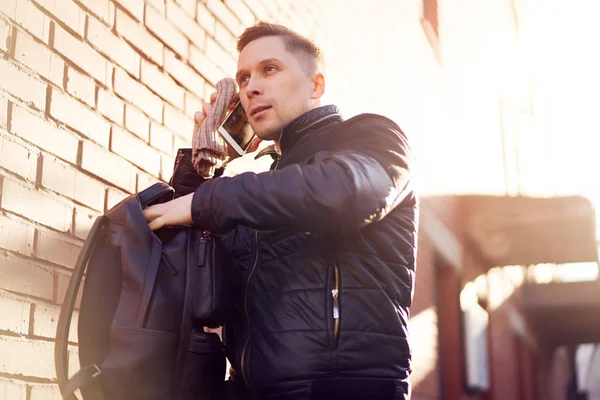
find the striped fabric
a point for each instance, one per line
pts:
(209, 148)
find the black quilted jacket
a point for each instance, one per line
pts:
(327, 241)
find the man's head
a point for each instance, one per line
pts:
(279, 77)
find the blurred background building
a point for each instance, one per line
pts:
(498, 97)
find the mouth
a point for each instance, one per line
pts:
(256, 111)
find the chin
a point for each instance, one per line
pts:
(268, 132)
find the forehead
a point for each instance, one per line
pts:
(262, 49)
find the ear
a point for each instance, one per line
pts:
(318, 85)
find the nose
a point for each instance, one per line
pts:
(253, 88)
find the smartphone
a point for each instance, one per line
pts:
(236, 130)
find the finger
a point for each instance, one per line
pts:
(234, 101)
(199, 117)
(213, 97)
(152, 212)
(156, 223)
(206, 109)
(254, 144)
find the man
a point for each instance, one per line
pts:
(326, 238)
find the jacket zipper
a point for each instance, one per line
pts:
(335, 301)
(243, 363)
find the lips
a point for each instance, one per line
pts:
(254, 111)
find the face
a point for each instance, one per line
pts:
(275, 87)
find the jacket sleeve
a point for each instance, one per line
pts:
(336, 191)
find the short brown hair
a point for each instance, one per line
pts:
(293, 42)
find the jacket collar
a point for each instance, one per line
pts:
(314, 118)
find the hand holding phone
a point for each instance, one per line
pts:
(236, 130)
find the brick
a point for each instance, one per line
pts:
(59, 249)
(44, 134)
(166, 169)
(159, 5)
(225, 39)
(135, 150)
(17, 158)
(259, 10)
(73, 355)
(111, 106)
(161, 138)
(108, 166)
(39, 58)
(84, 219)
(27, 357)
(8, 8)
(28, 16)
(133, 7)
(113, 47)
(13, 390)
(201, 63)
(4, 36)
(45, 321)
(67, 12)
(22, 85)
(61, 291)
(113, 197)
(82, 55)
(224, 14)
(3, 111)
(166, 32)
(69, 182)
(185, 23)
(15, 315)
(220, 57)
(16, 236)
(183, 74)
(135, 34)
(25, 278)
(138, 94)
(178, 122)
(80, 118)
(145, 181)
(193, 103)
(189, 6)
(205, 18)
(208, 91)
(102, 9)
(241, 11)
(45, 392)
(36, 206)
(181, 142)
(81, 87)
(271, 7)
(136, 122)
(161, 84)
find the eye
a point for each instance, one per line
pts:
(271, 68)
(243, 80)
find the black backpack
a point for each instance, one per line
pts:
(144, 303)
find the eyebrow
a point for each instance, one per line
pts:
(263, 62)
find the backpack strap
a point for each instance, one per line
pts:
(81, 379)
(90, 372)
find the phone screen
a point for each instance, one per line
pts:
(236, 129)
